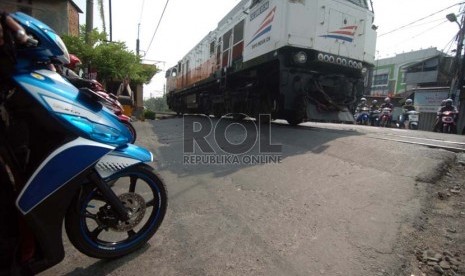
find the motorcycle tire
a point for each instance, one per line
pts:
(383, 122)
(446, 128)
(94, 228)
(132, 130)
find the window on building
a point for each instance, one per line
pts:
(381, 79)
(239, 32)
(227, 40)
(403, 76)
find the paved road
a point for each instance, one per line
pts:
(334, 205)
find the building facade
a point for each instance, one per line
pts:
(61, 15)
(406, 71)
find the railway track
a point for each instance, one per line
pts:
(453, 146)
(402, 137)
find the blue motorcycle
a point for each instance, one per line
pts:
(66, 158)
(363, 116)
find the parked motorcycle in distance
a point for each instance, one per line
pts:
(65, 160)
(385, 117)
(448, 124)
(363, 116)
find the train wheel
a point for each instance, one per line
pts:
(264, 119)
(294, 121)
(264, 109)
(238, 116)
(217, 111)
(300, 112)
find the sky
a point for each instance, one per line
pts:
(185, 22)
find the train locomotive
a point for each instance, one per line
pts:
(296, 60)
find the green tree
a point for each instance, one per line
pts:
(111, 60)
(157, 104)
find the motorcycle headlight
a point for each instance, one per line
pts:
(300, 57)
(98, 132)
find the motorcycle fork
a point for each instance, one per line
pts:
(109, 195)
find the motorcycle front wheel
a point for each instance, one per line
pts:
(94, 228)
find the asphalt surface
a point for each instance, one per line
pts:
(333, 203)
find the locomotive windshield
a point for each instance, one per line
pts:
(361, 3)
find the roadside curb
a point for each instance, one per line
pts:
(435, 174)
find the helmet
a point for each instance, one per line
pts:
(363, 99)
(449, 102)
(443, 102)
(408, 102)
(374, 102)
(387, 100)
(74, 61)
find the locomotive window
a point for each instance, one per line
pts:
(239, 32)
(361, 3)
(227, 40)
(255, 2)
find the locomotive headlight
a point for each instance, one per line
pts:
(300, 57)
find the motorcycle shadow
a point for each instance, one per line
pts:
(106, 267)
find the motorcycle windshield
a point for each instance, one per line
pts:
(50, 45)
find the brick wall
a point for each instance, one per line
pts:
(73, 20)
(60, 15)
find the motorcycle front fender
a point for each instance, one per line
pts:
(122, 158)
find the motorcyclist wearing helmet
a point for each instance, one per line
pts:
(408, 106)
(68, 70)
(387, 104)
(362, 104)
(374, 112)
(448, 106)
(358, 110)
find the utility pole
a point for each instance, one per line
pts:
(111, 31)
(89, 19)
(137, 40)
(457, 85)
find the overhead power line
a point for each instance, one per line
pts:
(411, 23)
(156, 29)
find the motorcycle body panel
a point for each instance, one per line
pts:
(79, 113)
(448, 122)
(60, 167)
(122, 158)
(413, 119)
(385, 117)
(93, 140)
